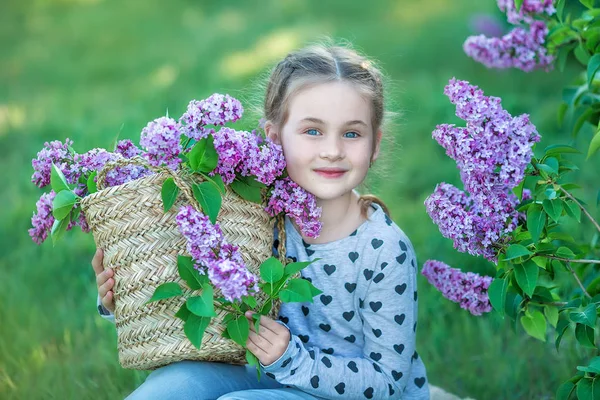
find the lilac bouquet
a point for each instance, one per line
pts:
(198, 144)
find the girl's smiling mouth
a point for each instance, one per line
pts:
(330, 172)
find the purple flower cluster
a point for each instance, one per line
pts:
(467, 289)
(161, 140)
(214, 256)
(298, 204)
(216, 110)
(491, 152)
(529, 9)
(520, 48)
(248, 154)
(58, 153)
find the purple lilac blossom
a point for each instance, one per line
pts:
(161, 140)
(127, 149)
(468, 289)
(43, 220)
(212, 255)
(520, 48)
(529, 10)
(485, 24)
(265, 161)
(298, 204)
(231, 146)
(58, 153)
(216, 110)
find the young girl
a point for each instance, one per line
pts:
(325, 106)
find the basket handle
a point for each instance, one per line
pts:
(139, 161)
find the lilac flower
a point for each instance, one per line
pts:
(127, 149)
(161, 140)
(42, 221)
(468, 289)
(93, 160)
(266, 162)
(486, 24)
(232, 279)
(494, 149)
(202, 236)
(58, 153)
(520, 48)
(232, 146)
(216, 110)
(529, 10)
(298, 204)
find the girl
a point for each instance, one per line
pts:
(325, 106)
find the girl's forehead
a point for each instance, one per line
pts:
(332, 102)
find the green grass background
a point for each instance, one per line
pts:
(88, 69)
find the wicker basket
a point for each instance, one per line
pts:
(141, 244)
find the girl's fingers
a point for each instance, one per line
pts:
(108, 285)
(102, 277)
(108, 302)
(97, 261)
(253, 345)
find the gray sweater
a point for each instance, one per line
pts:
(357, 339)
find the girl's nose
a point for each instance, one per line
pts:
(332, 148)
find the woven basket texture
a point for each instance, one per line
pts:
(141, 244)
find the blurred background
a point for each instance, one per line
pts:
(90, 70)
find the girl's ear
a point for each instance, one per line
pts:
(271, 132)
(378, 136)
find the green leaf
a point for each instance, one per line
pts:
(581, 120)
(518, 4)
(194, 329)
(535, 325)
(166, 291)
(169, 193)
(593, 366)
(91, 182)
(565, 252)
(63, 203)
(292, 268)
(594, 145)
(518, 190)
(588, 389)
(203, 156)
(217, 181)
(553, 208)
(561, 328)
(183, 312)
(250, 301)
(536, 220)
(253, 361)
(527, 276)
(203, 305)
(187, 272)
(58, 180)
(59, 227)
(209, 198)
(256, 319)
(585, 335)
(573, 210)
(497, 294)
(238, 330)
(297, 291)
(540, 261)
(592, 68)
(551, 313)
(246, 191)
(515, 251)
(588, 3)
(565, 390)
(581, 54)
(556, 149)
(271, 270)
(586, 317)
(266, 307)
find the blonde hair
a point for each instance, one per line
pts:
(322, 63)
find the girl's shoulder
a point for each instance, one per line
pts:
(382, 230)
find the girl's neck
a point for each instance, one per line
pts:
(340, 217)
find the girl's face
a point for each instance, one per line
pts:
(328, 139)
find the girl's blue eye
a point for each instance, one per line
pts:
(312, 132)
(353, 135)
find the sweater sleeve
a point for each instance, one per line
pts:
(104, 313)
(388, 313)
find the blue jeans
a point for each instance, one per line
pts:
(186, 380)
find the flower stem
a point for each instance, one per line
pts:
(551, 303)
(578, 280)
(570, 196)
(567, 260)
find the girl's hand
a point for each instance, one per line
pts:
(270, 342)
(105, 281)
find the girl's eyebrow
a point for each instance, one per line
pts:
(320, 121)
